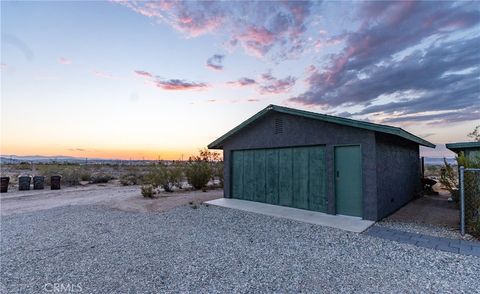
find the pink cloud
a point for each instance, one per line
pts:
(171, 84)
(179, 85)
(64, 61)
(320, 44)
(269, 25)
(311, 70)
(257, 41)
(267, 83)
(278, 86)
(242, 82)
(272, 85)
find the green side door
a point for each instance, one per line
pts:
(348, 180)
(293, 177)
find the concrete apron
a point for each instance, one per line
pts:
(347, 223)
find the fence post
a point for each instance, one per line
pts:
(462, 201)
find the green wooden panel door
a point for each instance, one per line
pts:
(248, 175)
(300, 177)
(237, 175)
(259, 174)
(348, 180)
(292, 177)
(285, 177)
(271, 176)
(317, 188)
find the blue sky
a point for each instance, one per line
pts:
(148, 79)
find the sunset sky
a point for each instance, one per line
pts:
(141, 80)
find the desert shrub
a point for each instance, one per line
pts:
(218, 171)
(147, 191)
(85, 176)
(215, 161)
(133, 176)
(209, 156)
(433, 170)
(131, 179)
(24, 165)
(158, 177)
(175, 175)
(100, 178)
(71, 176)
(198, 173)
(448, 178)
(165, 176)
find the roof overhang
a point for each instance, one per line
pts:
(218, 144)
(457, 147)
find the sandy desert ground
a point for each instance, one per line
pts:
(126, 198)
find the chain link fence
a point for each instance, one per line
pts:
(470, 200)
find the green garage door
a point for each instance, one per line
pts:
(292, 177)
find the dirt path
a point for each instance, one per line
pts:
(112, 196)
(432, 210)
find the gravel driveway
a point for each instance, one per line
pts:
(213, 249)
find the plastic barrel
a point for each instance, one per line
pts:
(24, 183)
(4, 184)
(38, 182)
(55, 182)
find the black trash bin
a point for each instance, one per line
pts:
(4, 184)
(55, 182)
(38, 182)
(24, 183)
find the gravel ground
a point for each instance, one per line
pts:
(212, 249)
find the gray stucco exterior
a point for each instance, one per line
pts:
(390, 165)
(398, 172)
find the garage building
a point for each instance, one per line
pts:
(295, 158)
(471, 150)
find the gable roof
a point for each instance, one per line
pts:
(218, 144)
(463, 145)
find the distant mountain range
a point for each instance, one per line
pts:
(60, 158)
(439, 161)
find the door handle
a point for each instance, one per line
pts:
(338, 174)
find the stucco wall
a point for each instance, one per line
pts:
(298, 131)
(398, 172)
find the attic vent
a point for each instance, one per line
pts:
(278, 126)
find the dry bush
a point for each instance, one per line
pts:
(131, 179)
(164, 176)
(198, 173)
(100, 178)
(147, 191)
(71, 174)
